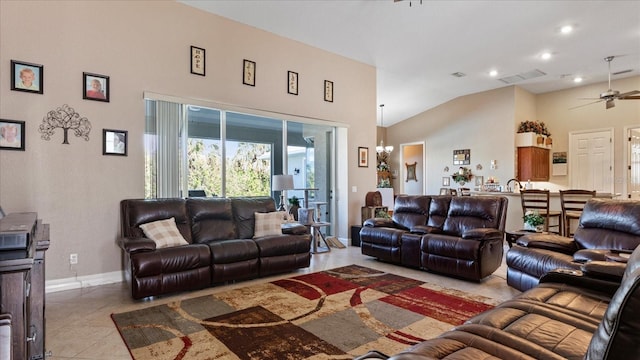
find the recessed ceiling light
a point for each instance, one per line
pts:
(546, 56)
(577, 79)
(493, 73)
(566, 29)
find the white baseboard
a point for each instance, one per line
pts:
(80, 282)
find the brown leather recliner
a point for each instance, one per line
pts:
(592, 314)
(457, 236)
(221, 245)
(605, 225)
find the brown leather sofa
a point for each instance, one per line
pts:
(593, 314)
(221, 245)
(460, 236)
(605, 226)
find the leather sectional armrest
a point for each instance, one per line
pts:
(579, 278)
(132, 245)
(294, 228)
(379, 222)
(606, 270)
(549, 242)
(424, 229)
(482, 233)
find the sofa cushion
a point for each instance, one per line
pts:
(244, 210)
(211, 219)
(268, 224)
(164, 233)
(466, 213)
(609, 224)
(141, 211)
(410, 211)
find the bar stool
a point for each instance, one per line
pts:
(572, 202)
(538, 200)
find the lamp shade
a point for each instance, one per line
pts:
(282, 182)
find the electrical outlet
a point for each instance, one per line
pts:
(73, 259)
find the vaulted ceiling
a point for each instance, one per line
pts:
(416, 45)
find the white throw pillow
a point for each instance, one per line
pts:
(164, 233)
(268, 224)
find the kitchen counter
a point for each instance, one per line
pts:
(514, 208)
(551, 194)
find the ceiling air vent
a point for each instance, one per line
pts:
(522, 76)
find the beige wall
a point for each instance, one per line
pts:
(144, 46)
(481, 122)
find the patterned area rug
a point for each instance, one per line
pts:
(333, 314)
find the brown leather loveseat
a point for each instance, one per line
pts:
(606, 227)
(461, 236)
(591, 314)
(221, 244)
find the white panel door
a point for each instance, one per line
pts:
(633, 166)
(591, 160)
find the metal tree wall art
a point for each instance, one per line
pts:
(65, 118)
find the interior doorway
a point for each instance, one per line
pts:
(633, 163)
(591, 160)
(412, 173)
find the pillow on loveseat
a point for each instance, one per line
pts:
(268, 223)
(164, 233)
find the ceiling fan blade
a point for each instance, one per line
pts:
(579, 106)
(629, 95)
(610, 104)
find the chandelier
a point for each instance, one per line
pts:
(381, 148)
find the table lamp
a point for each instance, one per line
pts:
(282, 183)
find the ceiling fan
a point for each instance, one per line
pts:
(610, 95)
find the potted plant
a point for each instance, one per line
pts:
(532, 220)
(294, 205)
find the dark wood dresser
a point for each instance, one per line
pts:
(22, 285)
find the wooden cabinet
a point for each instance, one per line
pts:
(22, 295)
(533, 164)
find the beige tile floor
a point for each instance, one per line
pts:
(79, 326)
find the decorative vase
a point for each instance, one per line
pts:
(294, 211)
(540, 140)
(529, 227)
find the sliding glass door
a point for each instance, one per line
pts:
(202, 151)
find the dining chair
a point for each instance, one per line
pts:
(572, 202)
(538, 200)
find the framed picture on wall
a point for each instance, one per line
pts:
(479, 180)
(411, 172)
(249, 72)
(27, 77)
(328, 91)
(292, 82)
(95, 87)
(198, 61)
(363, 156)
(11, 135)
(114, 142)
(445, 181)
